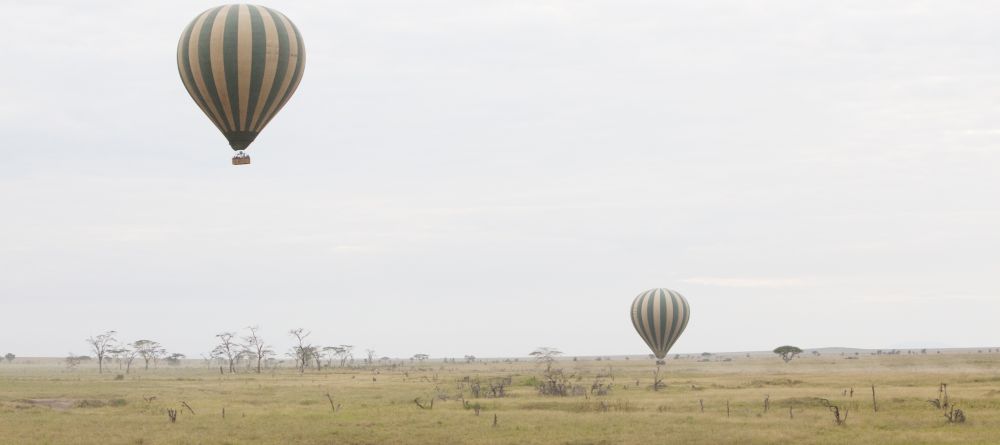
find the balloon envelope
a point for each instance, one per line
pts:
(241, 64)
(660, 316)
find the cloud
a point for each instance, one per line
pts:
(750, 282)
(921, 298)
(980, 132)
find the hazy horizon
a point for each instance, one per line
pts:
(479, 178)
(359, 355)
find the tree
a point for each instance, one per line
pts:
(371, 356)
(149, 350)
(101, 344)
(227, 349)
(175, 359)
(787, 353)
(547, 355)
(421, 357)
(256, 347)
(115, 354)
(302, 352)
(470, 358)
(317, 357)
(10, 357)
(346, 355)
(342, 352)
(129, 355)
(72, 360)
(124, 355)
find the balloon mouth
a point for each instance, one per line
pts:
(241, 158)
(240, 140)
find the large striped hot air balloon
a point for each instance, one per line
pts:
(660, 316)
(241, 64)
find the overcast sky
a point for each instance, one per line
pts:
(469, 177)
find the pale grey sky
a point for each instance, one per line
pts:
(467, 177)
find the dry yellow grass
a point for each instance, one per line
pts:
(42, 403)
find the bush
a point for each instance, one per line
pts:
(90, 403)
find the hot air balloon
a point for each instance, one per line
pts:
(241, 64)
(660, 316)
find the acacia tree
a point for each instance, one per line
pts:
(227, 349)
(317, 357)
(124, 355)
(421, 357)
(255, 346)
(547, 355)
(347, 355)
(101, 345)
(10, 357)
(371, 356)
(115, 355)
(331, 353)
(342, 352)
(787, 352)
(72, 360)
(149, 350)
(302, 352)
(175, 359)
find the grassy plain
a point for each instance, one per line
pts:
(43, 403)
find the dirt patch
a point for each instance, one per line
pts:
(88, 403)
(56, 404)
(65, 404)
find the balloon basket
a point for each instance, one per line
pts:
(660, 362)
(241, 158)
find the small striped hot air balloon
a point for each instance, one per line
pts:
(241, 64)
(660, 316)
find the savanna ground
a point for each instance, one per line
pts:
(44, 403)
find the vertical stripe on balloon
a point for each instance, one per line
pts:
(282, 68)
(257, 59)
(217, 55)
(298, 56)
(244, 51)
(198, 38)
(184, 68)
